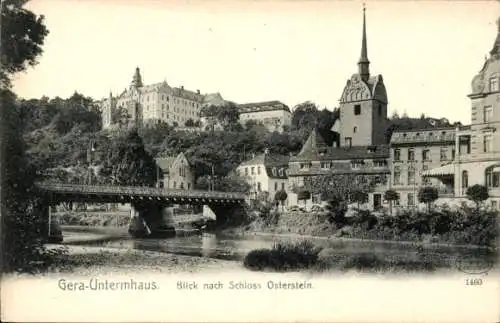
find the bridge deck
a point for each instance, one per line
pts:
(108, 190)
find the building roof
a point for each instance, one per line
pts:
(262, 106)
(275, 165)
(268, 160)
(345, 153)
(427, 136)
(165, 162)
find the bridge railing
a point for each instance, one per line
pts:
(138, 190)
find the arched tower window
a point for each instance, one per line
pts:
(355, 129)
(465, 179)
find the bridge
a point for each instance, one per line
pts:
(133, 194)
(148, 204)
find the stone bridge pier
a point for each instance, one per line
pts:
(150, 219)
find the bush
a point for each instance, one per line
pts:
(283, 256)
(478, 194)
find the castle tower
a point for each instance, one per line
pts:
(137, 79)
(363, 104)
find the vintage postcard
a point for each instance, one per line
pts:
(250, 161)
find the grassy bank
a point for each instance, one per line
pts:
(459, 227)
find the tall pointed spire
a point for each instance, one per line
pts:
(364, 63)
(496, 44)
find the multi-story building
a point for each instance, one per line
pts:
(274, 115)
(177, 172)
(479, 163)
(362, 150)
(155, 103)
(413, 153)
(266, 173)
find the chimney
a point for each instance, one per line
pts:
(253, 155)
(182, 87)
(198, 91)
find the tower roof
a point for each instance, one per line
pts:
(137, 79)
(364, 63)
(364, 49)
(496, 44)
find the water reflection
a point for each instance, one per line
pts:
(235, 248)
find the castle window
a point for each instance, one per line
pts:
(493, 84)
(411, 176)
(444, 153)
(411, 154)
(493, 177)
(488, 114)
(397, 154)
(465, 179)
(487, 143)
(258, 170)
(355, 129)
(426, 155)
(275, 186)
(411, 199)
(397, 175)
(348, 142)
(379, 110)
(357, 109)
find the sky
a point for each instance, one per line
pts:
(251, 51)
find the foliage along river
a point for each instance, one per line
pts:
(220, 246)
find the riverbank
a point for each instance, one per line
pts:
(89, 260)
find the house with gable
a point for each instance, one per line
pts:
(266, 173)
(177, 172)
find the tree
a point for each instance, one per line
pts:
(189, 123)
(391, 196)
(226, 114)
(305, 116)
(281, 197)
(303, 195)
(120, 116)
(428, 195)
(128, 163)
(22, 37)
(359, 197)
(478, 194)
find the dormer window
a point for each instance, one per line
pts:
(274, 171)
(281, 172)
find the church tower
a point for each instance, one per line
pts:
(363, 105)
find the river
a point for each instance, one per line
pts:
(231, 247)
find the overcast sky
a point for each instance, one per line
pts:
(250, 51)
